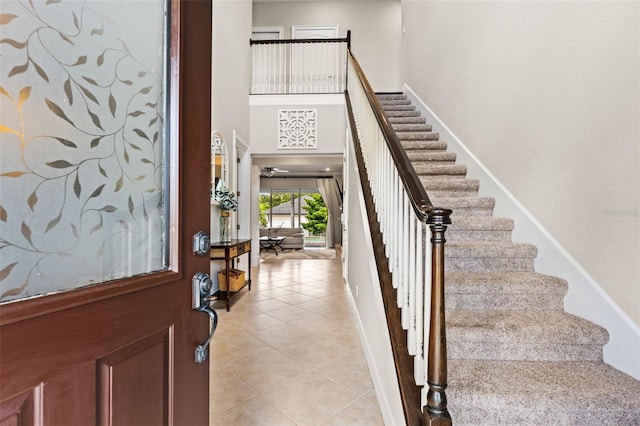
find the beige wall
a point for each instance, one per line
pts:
(374, 25)
(231, 67)
(230, 99)
(547, 95)
(330, 128)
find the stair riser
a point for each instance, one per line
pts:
(406, 120)
(433, 192)
(424, 145)
(418, 136)
(477, 411)
(488, 264)
(442, 177)
(470, 207)
(409, 127)
(503, 301)
(517, 351)
(403, 114)
(429, 158)
(398, 107)
(431, 162)
(454, 235)
(437, 185)
(391, 96)
(440, 170)
(470, 212)
(385, 102)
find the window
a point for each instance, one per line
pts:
(284, 209)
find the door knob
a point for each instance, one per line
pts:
(202, 350)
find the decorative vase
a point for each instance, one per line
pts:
(225, 226)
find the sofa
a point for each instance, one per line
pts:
(294, 236)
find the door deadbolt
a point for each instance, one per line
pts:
(201, 243)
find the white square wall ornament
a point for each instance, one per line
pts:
(297, 129)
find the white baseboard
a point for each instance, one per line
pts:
(585, 297)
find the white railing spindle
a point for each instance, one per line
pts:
(299, 66)
(405, 234)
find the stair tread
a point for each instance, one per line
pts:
(424, 145)
(422, 157)
(433, 182)
(412, 136)
(549, 327)
(491, 249)
(573, 392)
(504, 282)
(440, 169)
(460, 202)
(397, 107)
(407, 120)
(411, 127)
(385, 102)
(390, 96)
(485, 223)
(403, 114)
(508, 291)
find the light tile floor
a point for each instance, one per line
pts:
(289, 351)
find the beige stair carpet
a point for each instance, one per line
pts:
(515, 357)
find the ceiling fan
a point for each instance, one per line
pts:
(270, 171)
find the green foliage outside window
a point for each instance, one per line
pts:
(265, 204)
(316, 211)
(317, 215)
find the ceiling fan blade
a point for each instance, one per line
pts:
(275, 170)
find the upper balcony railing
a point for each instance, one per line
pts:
(296, 66)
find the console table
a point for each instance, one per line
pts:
(228, 251)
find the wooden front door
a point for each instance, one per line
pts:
(116, 350)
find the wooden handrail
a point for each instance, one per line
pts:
(435, 412)
(346, 39)
(415, 190)
(409, 392)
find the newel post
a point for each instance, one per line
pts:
(435, 412)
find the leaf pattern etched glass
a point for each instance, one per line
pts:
(82, 143)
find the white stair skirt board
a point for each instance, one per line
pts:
(585, 297)
(367, 300)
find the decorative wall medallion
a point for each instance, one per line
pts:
(297, 128)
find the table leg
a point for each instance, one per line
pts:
(249, 252)
(226, 261)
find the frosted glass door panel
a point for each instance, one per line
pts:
(82, 96)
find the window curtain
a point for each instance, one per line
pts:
(332, 196)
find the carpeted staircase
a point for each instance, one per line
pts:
(515, 357)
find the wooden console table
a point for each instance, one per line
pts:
(228, 251)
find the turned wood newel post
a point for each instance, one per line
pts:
(436, 412)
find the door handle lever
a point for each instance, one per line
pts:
(203, 349)
(201, 286)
